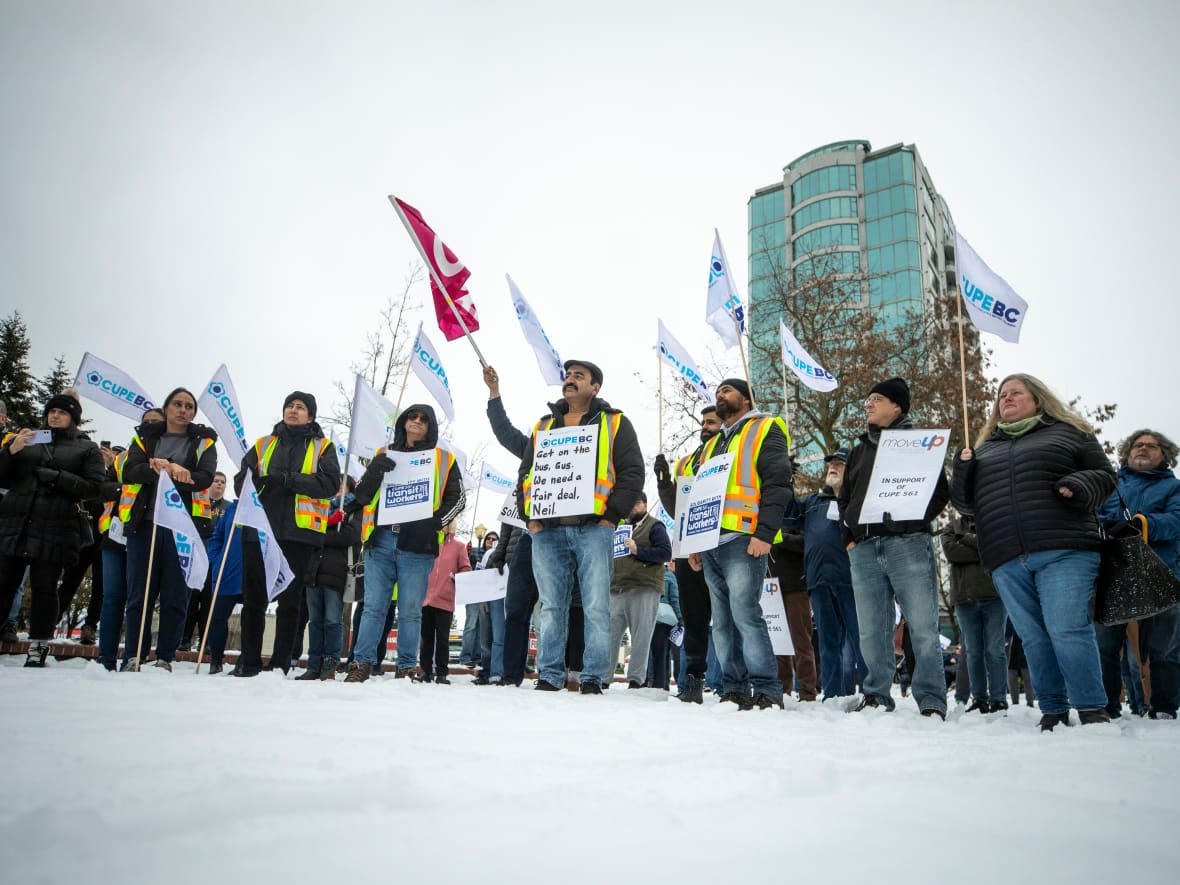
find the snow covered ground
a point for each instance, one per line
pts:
(174, 778)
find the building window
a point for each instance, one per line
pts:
(899, 198)
(885, 259)
(823, 210)
(821, 181)
(826, 237)
(883, 172)
(900, 226)
(827, 265)
(766, 208)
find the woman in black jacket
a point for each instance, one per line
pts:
(42, 527)
(1032, 483)
(186, 452)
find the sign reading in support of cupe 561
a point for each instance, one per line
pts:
(774, 612)
(701, 521)
(905, 473)
(407, 493)
(563, 472)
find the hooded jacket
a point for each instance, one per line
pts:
(825, 560)
(40, 516)
(137, 471)
(1010, 487)
(1155, 494)
(856, 483)
(420, 536)
(285, 479)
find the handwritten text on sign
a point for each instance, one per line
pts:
(407, 492)
(564, 461)
(905, 472)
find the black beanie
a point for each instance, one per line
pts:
(306, 398)
(895, 390)
(66, 404)
(740, 385)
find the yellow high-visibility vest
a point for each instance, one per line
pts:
(310, 513)
(743, 492)
(128, 494)
(604, 468)
(443, 460)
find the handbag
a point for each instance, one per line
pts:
(1133, 582)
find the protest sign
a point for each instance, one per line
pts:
(701, 522)
(683, 490)
(563, 472)
(482, 585)
(904, 475)
(775, 614)
(407, 492)
(510, 513)
(622, 533)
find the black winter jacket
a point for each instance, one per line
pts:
(40, 516)
(774, 470)
(285, 479)
(786, 563)
(327, 566)
(137, 470)
(420, 536)
(856, 482)
(969, 582)
(1010, 487)
(627, 457)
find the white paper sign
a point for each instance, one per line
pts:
(482, 585)
(833, 510)
(115, 531)
(683, 490)
(701, 523)
(563, 472)
(622, 533)
(677, 636)
(775, 614)
(510, 513)
(905, 473)
(407, 492)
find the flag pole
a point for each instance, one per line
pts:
(741, 351)
(963, 371)
(213, 598)
(146, 584)
(787, 411)
(397, 407)
(430, 267)
(660, 364)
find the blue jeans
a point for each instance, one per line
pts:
(469, 649)
(114, 602)
(219, 625)
(325, 613)
(735, 581)
(982, 625)
(835, 621)
(900, 566)
(166, 584)
(385, 565)
(560, 552)
(1050, 596)
(491, 640)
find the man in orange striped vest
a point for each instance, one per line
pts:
(756, 497)
(296, 471)
(581, 547)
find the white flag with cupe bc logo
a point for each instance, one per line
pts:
(250, 513)
(548, 359)
(112, 388)
(355, 468)
(429, 369)
(991, 303)
(802, 364)
(373, 416)
(219, 401)
(171, 513)
(673, 353)
(495, 481)
(723, 307)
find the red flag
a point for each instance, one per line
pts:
(448, 268)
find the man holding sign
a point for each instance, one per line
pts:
(756, 493)
(408, 494)
(581, 474)
(885, 518)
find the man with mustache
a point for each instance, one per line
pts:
(582, 544)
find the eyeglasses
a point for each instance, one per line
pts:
(874, 399)
(416, 416)
(1151, 447)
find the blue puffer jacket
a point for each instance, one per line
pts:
(825, 560)
(1155, 494)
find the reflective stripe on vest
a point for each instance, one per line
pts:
(743, 492)
(127, 495)
(310, 513)
(443, 460)
(604, 468)
(687, 466)
(108, 510)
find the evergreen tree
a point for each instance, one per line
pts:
(17, 386)
(58, 380)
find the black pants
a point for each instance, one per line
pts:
(43, 580)
(198, 610)
(166, 584)
(254, 602)
(89, 559)
(575, 643)
(436, 640)
(661, 651)
(518, 609)
(697, 612)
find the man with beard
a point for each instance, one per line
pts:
(756, 496)
(694, 592)
(295, 471)
(581, 544)
(892, 559)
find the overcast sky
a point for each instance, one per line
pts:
(192, 183)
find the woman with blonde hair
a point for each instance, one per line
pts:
(1033, 482)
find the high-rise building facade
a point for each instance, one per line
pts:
(847, 212)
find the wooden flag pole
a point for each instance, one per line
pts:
(213, 598)
(397, 407)
(146, 585)
(963, 372)
(787, 413)
(745, 366)
(660, 363)
(430, 267)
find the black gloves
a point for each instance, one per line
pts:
(47, 475)
(660, 468)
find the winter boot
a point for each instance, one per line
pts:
(1049, 721)
(764, 700)
(357, 672)
(1093, 717)
(89, 635)
(691, 691)
(328, 670)
(8, 632)
(38, 652)
(308, 675)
